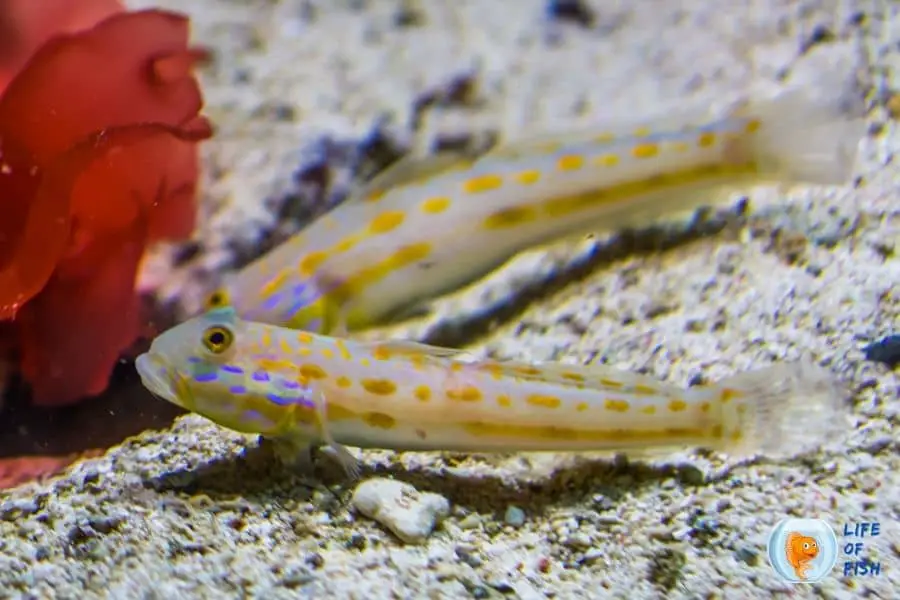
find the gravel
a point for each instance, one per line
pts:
(310, 95)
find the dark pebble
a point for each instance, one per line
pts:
(885, 351)
(573, 11)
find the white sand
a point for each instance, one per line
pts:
(180, 514)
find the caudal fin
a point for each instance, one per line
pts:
(783, 410)
(807, 135)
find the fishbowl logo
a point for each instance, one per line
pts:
(802, 550)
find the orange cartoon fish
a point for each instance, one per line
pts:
(800, 551)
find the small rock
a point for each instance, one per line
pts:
(578, 541)
(315, 560)
(602, 502)
(573, 11)
(409, 14)
(893, 106)
(514, 516)
(468, 555)
(411, 515)
(885, 350)
(747, 555)
(878, 445)
(666, 568)
(472, 521)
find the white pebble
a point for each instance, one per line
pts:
(514, 516)
(411, 515)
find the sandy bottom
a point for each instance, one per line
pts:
(298, 86)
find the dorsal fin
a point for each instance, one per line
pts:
(595, 377)
(608, 130)
(410, 348)
(409, 170)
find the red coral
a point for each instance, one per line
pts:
(27, 24)
(98, 134)
(16, 471)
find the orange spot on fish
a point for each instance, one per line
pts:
(484, 183)
(512, 216)
(527, 370)
(275, 284)
(571, 162)
(706, 139)
(616, 405)
(313, 371)
(644, 390)
(728, 394)
(346, 244)
(342, 348)
(410, 253)
(387, 221)
(528, 177)
(336, 412)
(543, 400)
(611, 383)
(379, 420)
(495, 370)
(467, 393)
(571, 376)
(677, 405)
(607, 160)
(434, 206)
(312, 261)
(645, 150)
(379, 387)
(422, 393)
(375, 196)
(381, 353)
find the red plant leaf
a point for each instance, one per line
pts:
(78, 84)
(72, 332)
(26, 24)
(130, 69)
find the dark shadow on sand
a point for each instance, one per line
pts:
(257, 475)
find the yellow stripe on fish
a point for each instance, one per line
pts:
(426, 227)
(304, 389)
